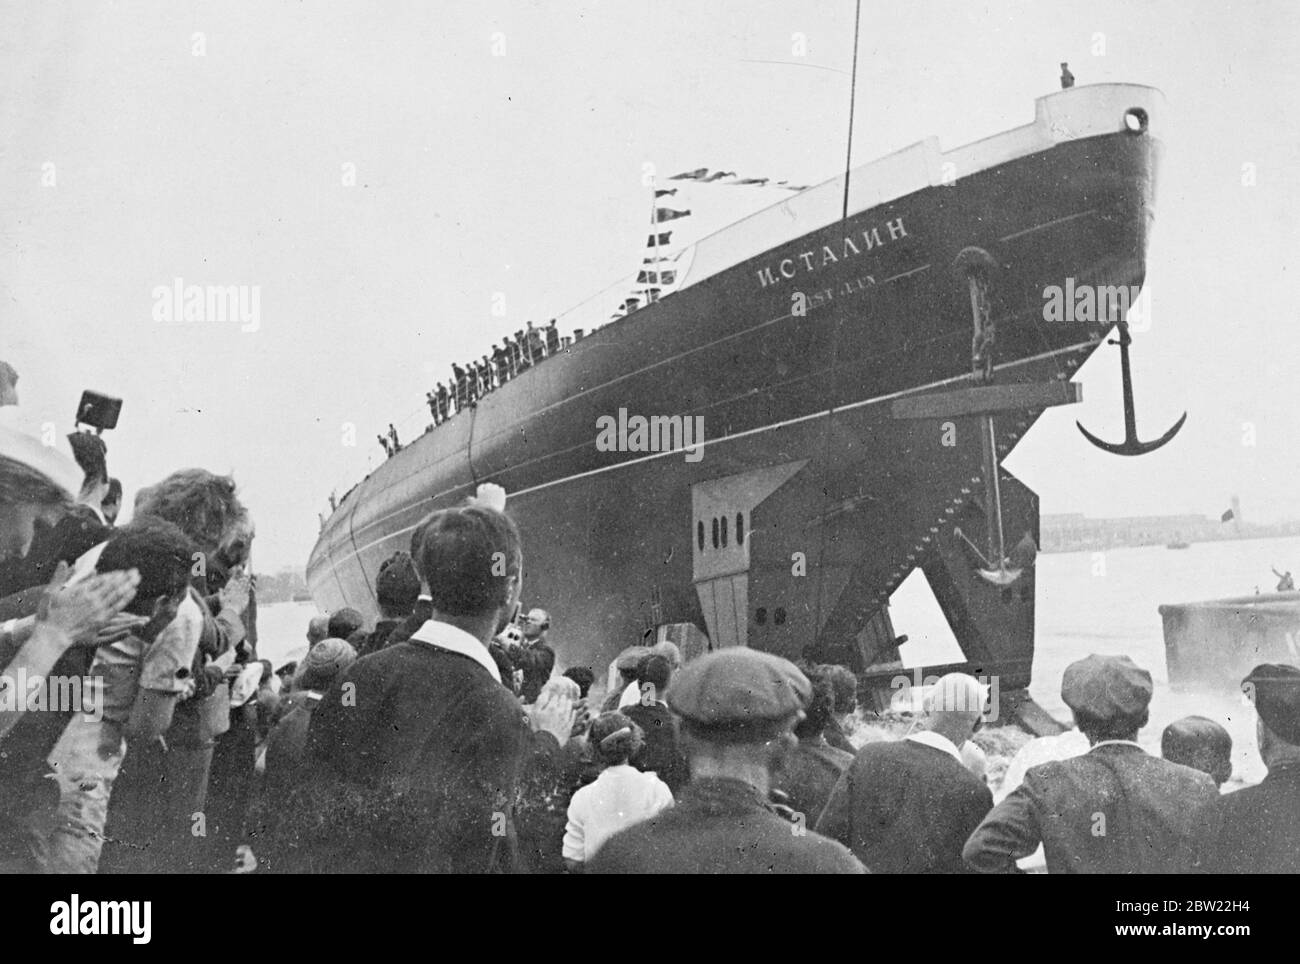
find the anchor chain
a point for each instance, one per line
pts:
(983, 346)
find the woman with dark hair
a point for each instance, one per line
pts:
(621, 796)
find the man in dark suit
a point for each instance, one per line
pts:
(534, 656)
(417, 748)
(815, 767)
(660, 753)
(1116, 809)
(1257, 830)
(907, 806)
(738, 707)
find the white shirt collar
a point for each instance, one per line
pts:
(1117, 743)
(448, 637)
(937, 741)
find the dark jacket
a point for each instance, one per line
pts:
(552, 774)
(536, 660)
(380, 635)
(837, 739)
(810, 775)
(905, 808)
(1115, 810)
(1255, 830)
(422, 613)
(416, 752)
(720, 826)
(662, 752)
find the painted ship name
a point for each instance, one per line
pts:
(806, 262)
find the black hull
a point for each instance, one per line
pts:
(838, 500)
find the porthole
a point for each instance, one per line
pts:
(778, 617)
(699, 534)
(715, 532)
(724, 532)
(1135, 120)
(740, 528)
(760, 616)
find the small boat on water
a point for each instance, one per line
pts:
(1215, 643)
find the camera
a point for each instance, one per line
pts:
(98, 411)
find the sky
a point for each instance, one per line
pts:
(389, 173)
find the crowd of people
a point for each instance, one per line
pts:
(449, 735)
(513, 356)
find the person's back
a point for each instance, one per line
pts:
(814, 767)
(431, 739)
(662, 753)
(620, 796)
(286, 746)
(810, 775)
(721, 826)
(1255, 830)
(906, 807)
(1116, 809)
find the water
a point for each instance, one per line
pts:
(282, 630)
(1082, 611)
(1087, 603)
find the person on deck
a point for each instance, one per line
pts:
(443, 401)
(505, 361)
(461, 383)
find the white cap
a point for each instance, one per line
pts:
(55, 462)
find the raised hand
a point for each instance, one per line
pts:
(81, 609)
(234, 596)
(118, 628)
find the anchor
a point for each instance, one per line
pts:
(982, 400)
(1131, 445)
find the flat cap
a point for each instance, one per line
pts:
(1275, 690)
(1105, 687)
(738, 689)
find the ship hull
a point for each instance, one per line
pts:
(808, 502)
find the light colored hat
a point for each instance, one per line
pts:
(323, 662)
(53, 461)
